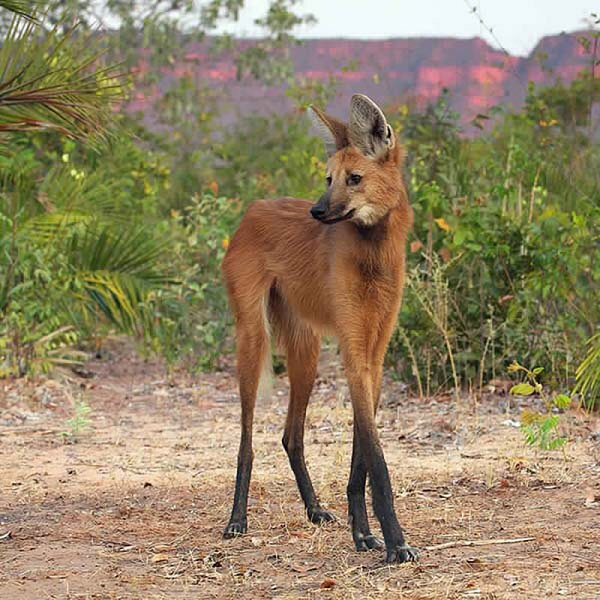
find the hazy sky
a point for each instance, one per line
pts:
(518, 24)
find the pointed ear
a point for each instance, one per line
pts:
(368, 129)
(333, 132)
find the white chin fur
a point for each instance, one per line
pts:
(366, 215)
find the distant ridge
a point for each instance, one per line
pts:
(390, 70)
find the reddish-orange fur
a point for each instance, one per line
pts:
(298, 278)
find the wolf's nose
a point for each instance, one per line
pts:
(317, 212)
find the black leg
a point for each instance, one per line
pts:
(314, 510)
(250, 346)
(302, 355)
(238, 522)
(357, 508)
(397, 550)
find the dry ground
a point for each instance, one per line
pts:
(135, 508)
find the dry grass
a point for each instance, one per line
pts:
(135, 508)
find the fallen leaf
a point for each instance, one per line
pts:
(306, 567)
(327, 583)
(300, 534)
(475, 562)
(159, 558)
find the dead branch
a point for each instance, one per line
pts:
(478, 543)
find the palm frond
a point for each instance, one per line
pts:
(588, 373)
(94, 193)
(51, 226)
(132, 251)
(116, 272)
(23, 8)
(67, 194)
(118, 296)
(52, 80)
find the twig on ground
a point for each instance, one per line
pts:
(478, 543)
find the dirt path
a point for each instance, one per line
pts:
(135, 508)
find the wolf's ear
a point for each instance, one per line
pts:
(368, 130)
(333, 132)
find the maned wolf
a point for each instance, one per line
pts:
(296, 270)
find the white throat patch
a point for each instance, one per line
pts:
(366, 214)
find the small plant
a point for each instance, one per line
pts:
(78, 422)
(539, 429)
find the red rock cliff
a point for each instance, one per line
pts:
(477, 75)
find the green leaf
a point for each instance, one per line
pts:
(530, 434)
(538, 370)
(562, 401)
(522, 389)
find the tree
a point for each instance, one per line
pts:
(164, 27)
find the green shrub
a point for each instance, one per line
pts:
(511, 218)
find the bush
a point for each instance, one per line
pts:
(511, 222)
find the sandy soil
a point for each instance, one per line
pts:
(135, 507)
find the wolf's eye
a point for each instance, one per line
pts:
(328, 180)
(354, 179)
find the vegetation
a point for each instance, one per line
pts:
(125, 233)
(78, 423)
(511, 220)
(539, 428)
